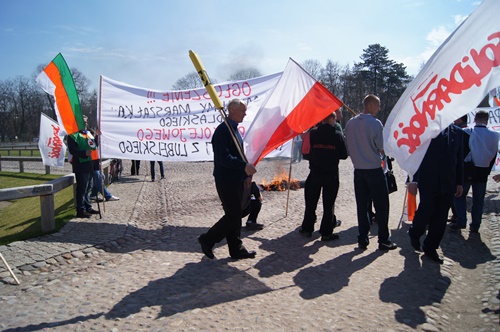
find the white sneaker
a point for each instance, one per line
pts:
(113, 198)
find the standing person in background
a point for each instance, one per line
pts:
(438, 178)
(134, 170)
(83, 150)
(327, 148)
(483, 145)
(162, 170)
(230, 173)
(365, 145)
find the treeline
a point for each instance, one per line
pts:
(22, 100)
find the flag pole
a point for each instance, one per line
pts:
(215, 98)
(99, 147)
(289, 178)
(349, 109)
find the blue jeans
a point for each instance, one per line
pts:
(478, 193)
(97, 186)
(162, 170)
(371, 184)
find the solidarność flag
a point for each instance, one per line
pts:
(57, 81)
(296, 103)
(452, 83)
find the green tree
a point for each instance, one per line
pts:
(382, 77)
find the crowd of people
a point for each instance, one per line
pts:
(457, 160)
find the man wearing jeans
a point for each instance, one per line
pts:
(483, 144)
(364, 140)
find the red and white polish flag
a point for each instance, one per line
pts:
(296, 103)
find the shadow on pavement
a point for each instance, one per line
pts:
(196, 285)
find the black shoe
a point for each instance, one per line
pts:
(474, 230)
(432, 254)
(244, 254)
(455, 226)
(415, 243)
(152, 180)
(83, 214)
(388, 245)
(305, 233)
(329, 237)
(92, 211)
(207, 250)
(253, 226)
(337, 223)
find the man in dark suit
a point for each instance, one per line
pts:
(230, 173)
(438, 179)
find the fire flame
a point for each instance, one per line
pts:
(280, 183)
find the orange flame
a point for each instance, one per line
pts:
(280, 182)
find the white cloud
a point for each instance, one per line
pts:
(437, 36)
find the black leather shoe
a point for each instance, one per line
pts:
(253, 226)
(387, 245)
(92, 211)
(305, 233)
(330, 237)
(455, 226)
(244, 254)
(432, 254)
(415, 243)
(83, 214)
(207, 250)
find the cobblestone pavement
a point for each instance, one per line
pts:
(140, 268)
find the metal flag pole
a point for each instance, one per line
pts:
(215, 98)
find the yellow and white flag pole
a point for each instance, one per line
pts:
(215, 98)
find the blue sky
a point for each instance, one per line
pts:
(146, 43)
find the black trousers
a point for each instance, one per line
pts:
(326, 184)
(252, 210)
(229, 226)
(432, 212)
(134, 170)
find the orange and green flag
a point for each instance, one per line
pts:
(57, 81)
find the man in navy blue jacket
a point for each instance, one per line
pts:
(438, 179)
(230, 173)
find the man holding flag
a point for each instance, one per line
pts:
(230, 173)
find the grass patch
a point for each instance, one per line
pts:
(20, 219)
(24, 153)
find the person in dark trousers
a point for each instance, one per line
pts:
(252, 204)
(365, 144)
(461, 123)
(480, 157)
(134, 170)
(438, 179)
(152, 166)
(230, 173)
(82, 147)
(327, 149)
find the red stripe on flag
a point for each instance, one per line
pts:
(316, 105)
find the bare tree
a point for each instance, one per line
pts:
(313, 67)
(245, 74)
(190, 81)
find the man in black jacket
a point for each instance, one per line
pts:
(230, 173)
(438, 179)
(327, 148)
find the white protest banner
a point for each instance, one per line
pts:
(144, 124)
(50, 142)
(464, 69)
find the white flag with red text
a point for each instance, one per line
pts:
(50, 142)
(296, 103)
(452, 83)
